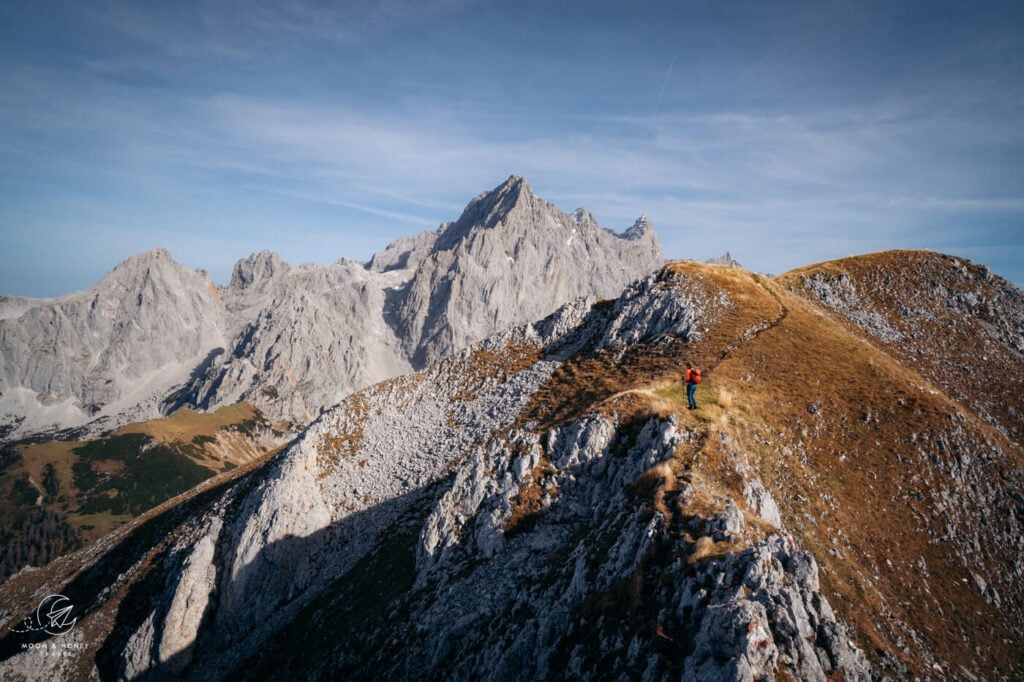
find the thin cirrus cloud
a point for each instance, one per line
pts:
(738, 159)
(784, 134)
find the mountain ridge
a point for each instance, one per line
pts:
(542, 504)
(354, 323)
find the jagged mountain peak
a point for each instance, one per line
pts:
(640, 229)
(583, 217)
(522, 254)
(257, 269)
(296, 339)
(154, 257)
(488, 210)
(150, 274)
(724, 259)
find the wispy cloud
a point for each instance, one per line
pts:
(331, 126)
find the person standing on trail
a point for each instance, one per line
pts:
(692, 378)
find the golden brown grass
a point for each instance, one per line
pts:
(178, 430)
(58, 453)
(943, 344)
(793, 402)
(334, 446)
(184, 425)
(484, 367)
(725, 398)
(812, 363)
(529, 502)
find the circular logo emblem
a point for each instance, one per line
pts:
(54, 614)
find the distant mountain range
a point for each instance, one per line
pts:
(846, 502)
(153, 336)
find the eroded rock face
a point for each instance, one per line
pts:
(318, 510)
(293, 341)
(321, 336)
(114, 347)
(511, 258)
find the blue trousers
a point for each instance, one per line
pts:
(691, 396)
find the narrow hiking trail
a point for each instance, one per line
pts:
(748, 336)
(752, 334)
(629, 391)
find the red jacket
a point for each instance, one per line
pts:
(693, 375)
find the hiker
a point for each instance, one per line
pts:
(692, 378)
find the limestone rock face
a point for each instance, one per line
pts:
(510, 258)
(320, 336)
(153, 336)
(405, 253)
(120, 345)
(258, 271)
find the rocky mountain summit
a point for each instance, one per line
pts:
(541, 505)
(153, 336)
(145, 324)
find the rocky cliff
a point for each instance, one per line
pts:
(112, 349)
(542, 505)
(153, 336)
(509, 259)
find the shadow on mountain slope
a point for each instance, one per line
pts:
(89, 588)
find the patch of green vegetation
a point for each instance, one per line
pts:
(9, 456)
(51, 484)
(270, 392)
(33, 536)
(203, 439)
(249, 426)
(23, 493)
(129, 474)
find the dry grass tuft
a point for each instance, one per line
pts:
(703, 548)
(531, 499)
(725, 398)
(707, 548)
(656, 484)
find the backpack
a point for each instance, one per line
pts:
(694, 375)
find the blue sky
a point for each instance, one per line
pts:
(786, 133)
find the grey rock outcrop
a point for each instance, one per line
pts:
(257, 271)
(839, 292)
(724, 259)
(153, 336)
(117, 347)
(511, 258)
(321, 336)
(405, 253)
